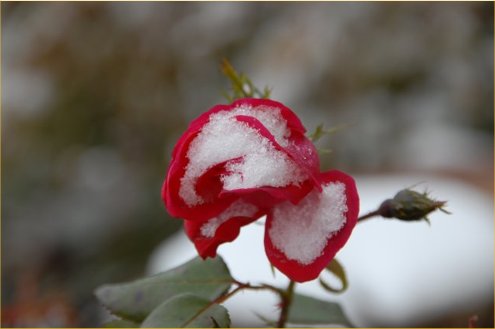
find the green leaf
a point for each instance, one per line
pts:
(120, 323)
(188, 311)
(135, 300)
(336, 268)
(309, 310)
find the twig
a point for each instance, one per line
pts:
(286, 302)
(368, 215)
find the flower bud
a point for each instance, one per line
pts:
(409, 205)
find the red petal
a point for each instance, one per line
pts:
(304, 153)
(170, 189)
(300, 149)
(226, 232)
(295, 269)
(293, 122)
(266, 196)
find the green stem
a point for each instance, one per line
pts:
(285, 296)
(223, 298)
(368, 215)
(247, 286)
(286, 302)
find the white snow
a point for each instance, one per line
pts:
(225, 138)
(301, 231)
(239, 208)
(270, 117)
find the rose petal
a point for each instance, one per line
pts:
(299, 149)
(304, 153)
(293, 122)
(208, 186)
(207, 235)
(214, 201)
(300, 240)
(266, 197)
(173, 202)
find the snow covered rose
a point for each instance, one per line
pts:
(237, 163)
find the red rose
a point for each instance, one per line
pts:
(239, 162)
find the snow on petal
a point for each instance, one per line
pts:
(301, 232)
(207, 235)
(300, 240)
(237, 209)
(224, 138)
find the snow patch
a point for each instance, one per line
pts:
(225, 138)
(301, 231)
(237, 209)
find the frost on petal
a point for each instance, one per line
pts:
(301, 231)
(236, 209)
(301, 239)
(224, 138)
(254, 148)
(208, 235)
(269, 116)
(208, 186)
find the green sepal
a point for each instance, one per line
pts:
(338, 270)
(241, 84)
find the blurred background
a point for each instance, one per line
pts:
(95, 95)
